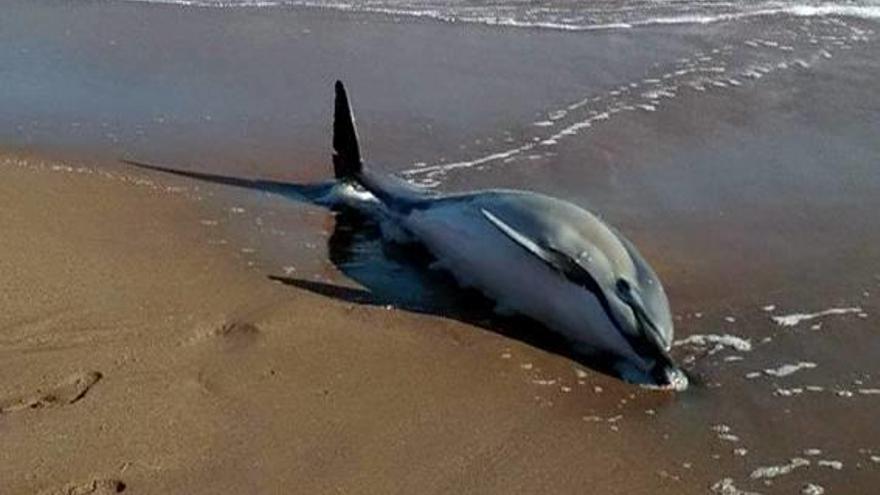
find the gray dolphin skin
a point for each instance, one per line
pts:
(536, 255)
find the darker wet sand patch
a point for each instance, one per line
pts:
(67, 392)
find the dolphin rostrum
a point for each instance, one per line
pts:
(538, 256)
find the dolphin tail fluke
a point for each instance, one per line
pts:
(346, 152)
(312, 193)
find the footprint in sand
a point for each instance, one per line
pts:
(67, 392)
(233, 333)
(92, 487)
(237, 329)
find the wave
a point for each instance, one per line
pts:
(514, 16)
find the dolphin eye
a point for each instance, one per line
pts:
(623, 288)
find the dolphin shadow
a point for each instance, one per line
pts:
(400, 275)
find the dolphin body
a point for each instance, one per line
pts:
(537, 255)
(532, 254)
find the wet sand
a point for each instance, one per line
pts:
(143, 342)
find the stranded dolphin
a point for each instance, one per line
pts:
(536, 255)
(540, 256)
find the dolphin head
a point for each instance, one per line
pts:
(639, 309)
(625, 312)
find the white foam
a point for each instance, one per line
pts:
(721, 428)
(788, 392)
(862, 11)
(678, 382)
(769, 472)
(726, 487)
(793, 319)
(468, 164)
(667, 92)
(726, 340)
(543, 382)
(835, 465)
(507, 18)
(788, 369)
(812, 489)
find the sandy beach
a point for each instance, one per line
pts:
(138, 350)
(165, 335)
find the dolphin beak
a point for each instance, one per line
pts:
(647, 328)
(664, 372)
(650, 331)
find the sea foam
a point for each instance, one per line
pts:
(793, 319)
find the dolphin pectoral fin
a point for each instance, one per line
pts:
(562, 263)
(556, 259)
(524, 242)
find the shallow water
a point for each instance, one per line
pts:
(741, 156)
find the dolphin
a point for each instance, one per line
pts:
(532, 254)
(537, 255)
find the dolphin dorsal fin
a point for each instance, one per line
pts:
(346, 151)
(553, 257)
